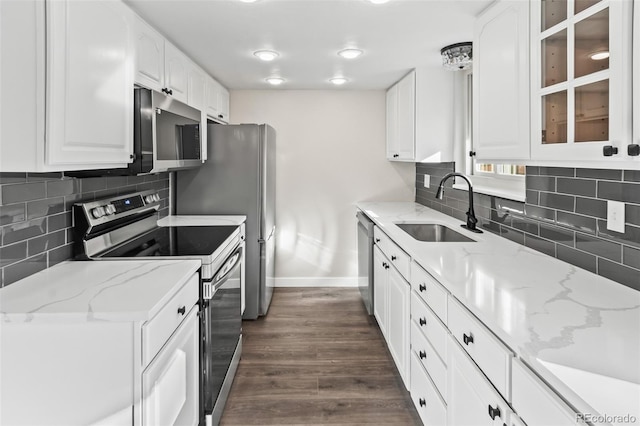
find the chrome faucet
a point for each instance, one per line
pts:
(471, 216)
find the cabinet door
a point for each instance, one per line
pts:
(211, 97)
(581, 75)
(380, 267)
(21, 85)
(398, 291)
(176, 72)
(636, 81)
(471, 399)
(149, 46)
(195, 86)
(406, 117)
(392, 122)
(89, 109)
(501, 82)
(170, 387)
(223, 104)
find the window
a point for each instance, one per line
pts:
(503, 180)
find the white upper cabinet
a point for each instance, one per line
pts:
(581, 81)
(633, 150)
(401, 116)
(176, 66)
(195, 86)
(501, 82)
(149, 56)
(85, 95)
(22, 86)
(216, 100)
(89, 109)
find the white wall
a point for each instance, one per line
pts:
(330, 154)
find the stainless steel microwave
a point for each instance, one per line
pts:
(167, 136)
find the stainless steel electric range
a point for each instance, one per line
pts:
(126, 226)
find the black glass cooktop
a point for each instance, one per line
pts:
(175, 241)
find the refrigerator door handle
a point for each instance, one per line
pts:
(262, 240)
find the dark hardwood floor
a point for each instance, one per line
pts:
(317, 358)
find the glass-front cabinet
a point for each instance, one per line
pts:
(581, 79)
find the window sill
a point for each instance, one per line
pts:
(511, 189)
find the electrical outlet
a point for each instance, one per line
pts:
(615, 216)
(427, 181)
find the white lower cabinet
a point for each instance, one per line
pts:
(430, 406)
(398, 291)
(391, 310)
(380, 279)
(170, 384)
(471, 398)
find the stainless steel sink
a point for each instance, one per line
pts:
(433, 232)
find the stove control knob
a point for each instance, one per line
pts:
(109, 209)
(156, 197)
(148, 199)
(98, 212)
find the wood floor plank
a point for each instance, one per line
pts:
(317, 358)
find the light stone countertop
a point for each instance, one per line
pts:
(202, 220)
(82, 291)
(579, 331)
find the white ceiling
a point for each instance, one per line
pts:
(221, 36)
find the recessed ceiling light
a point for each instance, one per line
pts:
(338, 81)
(248, 1)
(266, 55)
(350, 53)
(598, 56)
(275, 81)
(378, 1)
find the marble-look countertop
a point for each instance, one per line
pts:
(202, 220)
(578, 331)
(127, 290)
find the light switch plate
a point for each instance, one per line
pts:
(427, 181)
(615, 216)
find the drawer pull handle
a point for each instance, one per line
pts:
(494, 412)
(377, 240)
(467, 339)
(423, 321)
(393, 258)
(182, 310)
(422, 402)
(423, 354)
(386, 266)
(422, 287)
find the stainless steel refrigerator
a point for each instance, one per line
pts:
(239, 178)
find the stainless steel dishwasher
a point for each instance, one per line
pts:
(365, 260)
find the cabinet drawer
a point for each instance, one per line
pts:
(535, 402)
(159, 328)
(486, 350)
(430, 290)
(430, 407)
(429, 359)
(395, 254)
(429, 324)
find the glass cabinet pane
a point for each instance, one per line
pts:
(592, 44)
(592, 112)
(554, 59)
(553, 12)
(554, 118)
(584, 4)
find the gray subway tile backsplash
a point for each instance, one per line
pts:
(36, 219)
(564, 215)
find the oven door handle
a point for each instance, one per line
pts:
(148, 250)
(231, 267)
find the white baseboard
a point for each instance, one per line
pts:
(316, 282)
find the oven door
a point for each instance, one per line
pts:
(222, 323)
